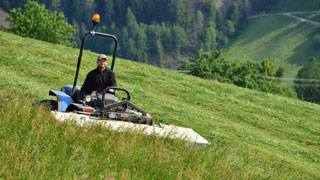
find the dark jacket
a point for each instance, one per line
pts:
(98, 81)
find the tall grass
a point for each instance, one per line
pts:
(35, 146)
(254, 135)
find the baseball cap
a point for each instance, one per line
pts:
(101, 56)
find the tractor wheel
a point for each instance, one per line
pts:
(53, 105)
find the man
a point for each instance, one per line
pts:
(99, 78)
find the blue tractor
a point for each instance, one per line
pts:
(99, 104)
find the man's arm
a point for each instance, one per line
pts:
(86, 87)
(112, 80)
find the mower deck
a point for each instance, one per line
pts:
(161, 130)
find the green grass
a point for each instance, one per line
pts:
(297, 5)
(284, 39)
(311, 16)
(254, 135)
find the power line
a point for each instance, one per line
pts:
(301, 85)
(291, 79)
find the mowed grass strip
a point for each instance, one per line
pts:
(253, 134)
(286, 40)
(314, 16)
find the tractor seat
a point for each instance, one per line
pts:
(68, 90)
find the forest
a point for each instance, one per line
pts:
(182, 34)
(157, 32)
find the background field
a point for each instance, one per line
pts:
(297, 5)
(313, 16)
(254, 135)
(286, 40)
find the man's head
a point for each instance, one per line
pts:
(102, 62)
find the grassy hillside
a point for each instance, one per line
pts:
(314, 16)
(286, 40)
(254, 135)
(297, 5)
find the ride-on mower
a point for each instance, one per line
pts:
(105, 108)
(98, 104)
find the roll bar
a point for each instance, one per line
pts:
(93, 33)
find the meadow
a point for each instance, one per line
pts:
(315, 16)
(286, 40)
(297, 5)
(253, 135)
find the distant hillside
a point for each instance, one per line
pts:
(297, 5)
(254, 135)
(285, 39)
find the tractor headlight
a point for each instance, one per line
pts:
(88, 99)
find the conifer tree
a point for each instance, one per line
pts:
(141, 44)
(132, 24)
(108, 11)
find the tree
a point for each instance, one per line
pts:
(37, 22)
(179, 12)
(237, 14)
(123, 45)
(132, 23)
(82, 10)
(269, 67)
(109, 11)
(184, 24)
(132, 50)
(264, 5)
(209, 39)
(309, 90)
(159, 51)
(230, 28)
(154, 34)
(222, 39)
(210, 11)
(316, 41)
(198, 23)
(219, 21)
(280, 72)
(233, 13)
(179, 37)
(52, 4)
(141, 43)
(166, 37)
(212, 65)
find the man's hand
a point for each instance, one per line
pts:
(111, 90)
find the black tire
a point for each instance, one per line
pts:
(53, 105)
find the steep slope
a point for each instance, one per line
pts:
(287, 40)
(253, 134)
(297, 5)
